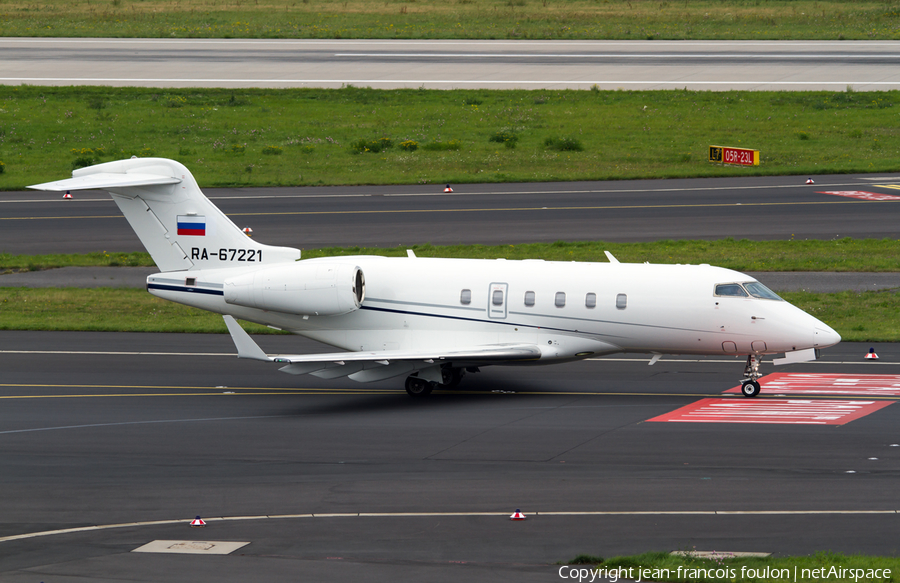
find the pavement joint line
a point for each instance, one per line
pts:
(586, 513)
(499, 209)
(491, 193)
(232, 354)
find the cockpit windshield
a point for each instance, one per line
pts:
(747, 289)
(731, 290)
(758, 290)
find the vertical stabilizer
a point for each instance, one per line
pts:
(178, 225)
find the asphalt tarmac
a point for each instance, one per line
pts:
(334, 480)
(757, 208)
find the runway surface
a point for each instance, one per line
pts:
(704, 65)
(758, 208)
(108, 429)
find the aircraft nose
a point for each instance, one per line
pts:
(825, 336)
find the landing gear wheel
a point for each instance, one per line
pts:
(750, 388)
(417, 387)
(749, 384)
(452, 377)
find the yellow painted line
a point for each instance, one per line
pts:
(220, 394)
(895, 186)
(176, 387)
(497, 514)
(244, 391)
(497, 209)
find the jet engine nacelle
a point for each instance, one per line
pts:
(314, 289)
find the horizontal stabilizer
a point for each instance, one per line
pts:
(105, 180)
(380, 364)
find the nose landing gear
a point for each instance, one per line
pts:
(749, 384)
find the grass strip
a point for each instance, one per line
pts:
(287, 137)
(847, 254)
(458, 19)
(858, 317)
(104, 310)
(689, 567)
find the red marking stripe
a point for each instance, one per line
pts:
(862, 194)
(775, 411)
(867, 385)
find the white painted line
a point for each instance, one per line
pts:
(504, 514)
(718, 554)
(601, 82)
(454, 43)
(706, 56)
(726, 360)
(191, 547)
(137, 423)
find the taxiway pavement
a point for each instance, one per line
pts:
(756, 208)
(109, 429)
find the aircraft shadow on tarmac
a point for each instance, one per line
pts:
(471, 391)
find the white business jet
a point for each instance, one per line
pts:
(433, 319)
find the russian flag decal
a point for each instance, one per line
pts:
(192, 225)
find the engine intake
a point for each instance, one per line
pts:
(313, 289)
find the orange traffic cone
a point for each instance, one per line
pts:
(517, 515)
(197, 523)
(448, 189)
(67, 195)
(809, 181)
(248, 231)
(871, 355)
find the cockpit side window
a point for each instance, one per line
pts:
(758, 290)
(733, 290)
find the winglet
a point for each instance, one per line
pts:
(610, 257)
(245, 345)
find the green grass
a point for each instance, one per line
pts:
(857, 317)
(728, 569)
(223, 135)
(106, 310)
(742, 255)
(475, 19)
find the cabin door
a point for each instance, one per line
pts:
(497, 300)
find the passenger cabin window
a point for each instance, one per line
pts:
(465, 297)
(621, 301)
(733, 290)
(560, 299)
(590, 300)
(758, 290)
(529, 298)
(497, 297)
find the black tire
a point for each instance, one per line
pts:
(750, 389)
(452, 378)
(417, 387)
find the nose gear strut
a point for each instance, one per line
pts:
(749, 384)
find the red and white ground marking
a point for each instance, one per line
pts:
(780, 411)
(862, 194)
(863, 385)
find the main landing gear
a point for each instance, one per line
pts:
(419, 387)
(749, 384)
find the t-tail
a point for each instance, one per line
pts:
(175, 221)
